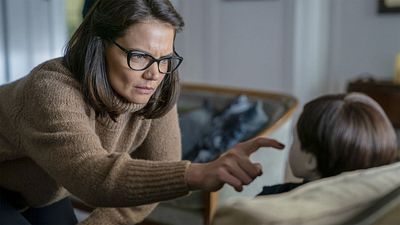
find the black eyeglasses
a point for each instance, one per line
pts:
(139, 61)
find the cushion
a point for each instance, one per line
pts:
(329, 201)
(240, 120)
(193, 126)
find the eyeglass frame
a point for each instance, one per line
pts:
(153, 59)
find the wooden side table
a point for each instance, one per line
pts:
(386, 93)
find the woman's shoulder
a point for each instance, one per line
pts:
(51, 77)
(53, 70)
(52, 83)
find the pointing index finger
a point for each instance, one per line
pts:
(252, 145)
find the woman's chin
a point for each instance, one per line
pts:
(138, 99)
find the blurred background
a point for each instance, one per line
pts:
(301, 47)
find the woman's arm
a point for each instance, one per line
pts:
(149, 150)
(58, 135)
(112, 216)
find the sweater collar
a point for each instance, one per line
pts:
(120, 103)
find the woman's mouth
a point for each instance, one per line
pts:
(144, 90)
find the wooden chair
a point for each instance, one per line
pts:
(196, 93)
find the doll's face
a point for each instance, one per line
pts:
(151, 37)
(302, 163)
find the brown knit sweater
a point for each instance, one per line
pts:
(51, 145)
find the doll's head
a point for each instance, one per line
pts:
(338, 133)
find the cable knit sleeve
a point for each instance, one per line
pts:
(155, 148)
(57, 134)
(163, 149)
(118, 216)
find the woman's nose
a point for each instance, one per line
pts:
(152, 73)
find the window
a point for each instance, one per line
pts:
(74, 17)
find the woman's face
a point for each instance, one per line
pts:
(152, 37)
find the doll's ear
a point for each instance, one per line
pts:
(311, 165)
(311, 162)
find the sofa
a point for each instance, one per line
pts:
(370, 196)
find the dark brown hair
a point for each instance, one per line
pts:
(85, 52)
(346, 132)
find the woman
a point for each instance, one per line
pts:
(101, 123)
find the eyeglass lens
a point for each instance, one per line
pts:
(141, 61)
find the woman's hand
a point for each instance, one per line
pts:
(233, 167)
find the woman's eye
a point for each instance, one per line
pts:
(164, 61)
(138, 56)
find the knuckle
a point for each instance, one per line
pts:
(226, 162)
(256, 168)
(239, 184)
(238, 146)
(231, 156)
(247, 181)
(258, 141)
(254, 174)
(221, 173)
